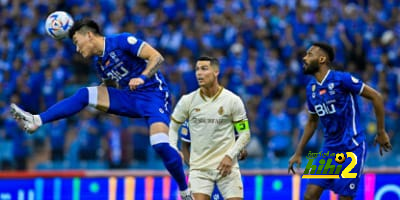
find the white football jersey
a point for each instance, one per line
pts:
(210, 124)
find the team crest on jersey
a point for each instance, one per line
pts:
(114, 56)
(221, 110)
(354, 79)
(331, 86)
(184, 131)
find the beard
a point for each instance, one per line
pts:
(311, 68)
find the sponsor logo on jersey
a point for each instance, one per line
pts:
(324, 109)
(322, 92)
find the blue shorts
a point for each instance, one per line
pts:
(344, 186)
(154, 106)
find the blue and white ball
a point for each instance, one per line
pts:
(58, 24)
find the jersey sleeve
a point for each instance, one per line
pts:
(129, 42)
(181, 111)
(184, 132)
(352, 84)
(238, 110)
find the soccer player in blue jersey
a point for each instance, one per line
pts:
(332, 98)
(131, 64)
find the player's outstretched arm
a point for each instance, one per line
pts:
(382, 137)
(309, 130)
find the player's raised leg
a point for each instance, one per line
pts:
(172, 160)
(94, 96)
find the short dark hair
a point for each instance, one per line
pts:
(88, 23)
(328, 49)
(213, 61)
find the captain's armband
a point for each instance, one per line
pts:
(242, 126)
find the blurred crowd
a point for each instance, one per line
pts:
(260, 44)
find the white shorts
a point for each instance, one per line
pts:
(202, 181)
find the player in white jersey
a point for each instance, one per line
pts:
(213, 114)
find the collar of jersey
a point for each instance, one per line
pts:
(104, 46)
(212, 98)
(323, 80)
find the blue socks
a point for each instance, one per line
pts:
(171, 158)
(66, 107)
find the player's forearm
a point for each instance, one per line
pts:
(173, 134)
(309, 130)
(240, 143)
(243, 130)
(379, 109)
(153, 65)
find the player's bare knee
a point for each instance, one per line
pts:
(98, 98)
(158, 127)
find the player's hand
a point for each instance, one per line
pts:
(135, 82)
(296, 158)
(225, 166)
(242, 154)
(383, 140)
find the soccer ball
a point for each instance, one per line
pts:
(58, 24)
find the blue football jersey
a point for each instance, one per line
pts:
(334, 100)
(121, 62)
